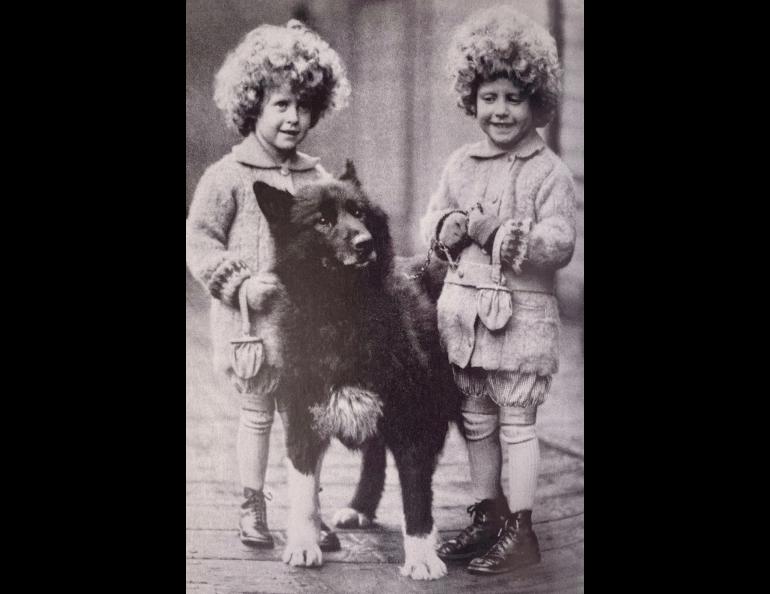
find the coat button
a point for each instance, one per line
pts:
(511, 157)
(460, 273)
(284, 172)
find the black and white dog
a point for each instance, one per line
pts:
(362, 363)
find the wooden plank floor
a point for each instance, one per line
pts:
(368, 561)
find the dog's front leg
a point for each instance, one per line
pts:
(303, 467)
(304, 516)
(415, 472)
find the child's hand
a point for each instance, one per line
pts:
(482, 227)
(454, 230)
(259, 289)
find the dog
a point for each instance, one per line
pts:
(362, 363)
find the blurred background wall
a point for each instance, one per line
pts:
(402, 122)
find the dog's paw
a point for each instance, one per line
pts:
(430, 568)
(302, 554)
(347, 517)
(421, 561)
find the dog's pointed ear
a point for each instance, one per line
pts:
(350, 174)
(275, 203)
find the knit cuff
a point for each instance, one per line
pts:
(443, 218)
(226, 281)
(515, 242)
(482, 227)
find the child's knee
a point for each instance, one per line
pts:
(479, 425)
(517, 424)
(257, 422)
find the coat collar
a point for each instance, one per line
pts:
(485, 149)
(250, 152)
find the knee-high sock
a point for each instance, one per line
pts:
(486, 459)
(253, 447)
(523, 466)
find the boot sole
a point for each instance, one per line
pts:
(257, 544)
(465, 556)
(520, 563)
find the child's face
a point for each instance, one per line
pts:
(503, 112)
(284, 121)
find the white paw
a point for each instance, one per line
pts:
(300, 554)
(421, 561)
(347, 517)
(425, 569)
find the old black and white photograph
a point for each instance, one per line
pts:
(384, 296)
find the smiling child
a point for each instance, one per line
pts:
(272, 88)
(504, 215)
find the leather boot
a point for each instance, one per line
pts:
(488, 518)
(252, 525)
(516, 547)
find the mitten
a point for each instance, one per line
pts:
(259, 289)
(482, 227)
(453, 232)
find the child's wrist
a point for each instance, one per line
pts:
(490, 242)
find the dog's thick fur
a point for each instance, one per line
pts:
(362, 360)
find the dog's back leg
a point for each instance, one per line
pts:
(363, 506)
(415, 472)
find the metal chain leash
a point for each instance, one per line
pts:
(434, 244)
(423, 269)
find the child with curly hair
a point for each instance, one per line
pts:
(272, 88)
(504, 217)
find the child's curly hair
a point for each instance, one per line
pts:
(502, 42)
(271, 56)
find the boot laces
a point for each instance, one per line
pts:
(465, 533)
(259, 507)
(504, 539)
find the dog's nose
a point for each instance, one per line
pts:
(363, 243)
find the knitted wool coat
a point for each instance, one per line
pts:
(228, 239)
(527, 182)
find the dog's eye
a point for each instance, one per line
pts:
(323, 221)
(353, 209)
